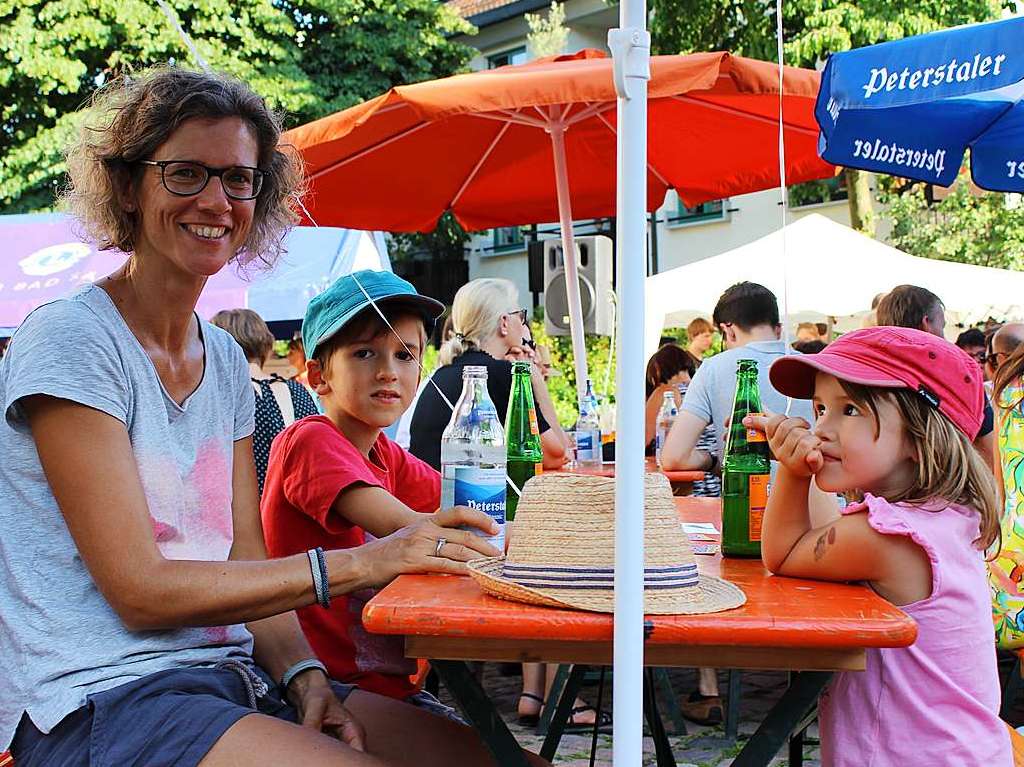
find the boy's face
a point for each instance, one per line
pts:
(372, 379)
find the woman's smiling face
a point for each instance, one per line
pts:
(201, 233)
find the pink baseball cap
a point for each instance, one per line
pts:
(894, 358)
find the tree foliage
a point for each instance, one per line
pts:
(548, 34)
(967, 226)
(308, 58)
(812, 29)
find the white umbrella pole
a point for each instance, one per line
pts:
(630, 48)
(572, 282)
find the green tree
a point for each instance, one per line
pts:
(548, 35)
(353, 50)
(307, 58)
(986, 229)
(53, 55)
(446, 243)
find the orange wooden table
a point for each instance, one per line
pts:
(786, 624)
(608, 470)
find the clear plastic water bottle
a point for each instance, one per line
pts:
(666, 417)
(588, 432)
(473, 454)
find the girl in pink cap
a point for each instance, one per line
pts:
(896, 411)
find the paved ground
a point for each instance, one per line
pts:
(700, 747)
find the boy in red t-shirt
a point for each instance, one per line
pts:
(335, 480)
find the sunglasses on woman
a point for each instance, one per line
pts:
(521, 313)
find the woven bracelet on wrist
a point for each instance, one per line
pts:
(324, 598)
(314, 568)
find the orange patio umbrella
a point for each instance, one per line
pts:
(536, 142)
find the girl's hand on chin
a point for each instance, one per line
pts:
(791, 442)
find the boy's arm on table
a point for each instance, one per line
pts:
(374, 509)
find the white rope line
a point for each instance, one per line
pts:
(173, 19)
(782, 186)
(417, 357)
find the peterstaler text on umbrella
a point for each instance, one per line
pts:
(952, 71)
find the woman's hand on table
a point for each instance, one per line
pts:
(416, 548)
(320, 709)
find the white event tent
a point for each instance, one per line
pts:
(829, 270)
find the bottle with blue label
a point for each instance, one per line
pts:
(473, 454)
(588, 432)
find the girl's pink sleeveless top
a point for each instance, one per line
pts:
(936, 702)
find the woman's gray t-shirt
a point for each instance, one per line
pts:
(59, 638)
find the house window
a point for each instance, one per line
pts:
(503, 59)
(508, 238)
(818, 192)
(708, 211)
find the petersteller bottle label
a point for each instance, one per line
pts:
(482, 489)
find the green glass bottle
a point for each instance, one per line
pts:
(522, 436)
(746, 471)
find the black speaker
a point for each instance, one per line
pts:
(535, 259)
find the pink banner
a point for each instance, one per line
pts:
(45, 259)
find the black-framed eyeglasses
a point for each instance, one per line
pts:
(185, 178)
(521, 313)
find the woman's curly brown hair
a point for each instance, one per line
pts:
(132, 115)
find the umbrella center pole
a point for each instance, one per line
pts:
(556, 129)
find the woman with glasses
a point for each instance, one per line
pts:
(140, 620)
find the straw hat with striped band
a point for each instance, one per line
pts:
(562, 553)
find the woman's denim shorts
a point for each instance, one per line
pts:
(170, 718)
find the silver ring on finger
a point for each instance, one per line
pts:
(440, 544)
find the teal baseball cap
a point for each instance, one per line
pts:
(350, 295)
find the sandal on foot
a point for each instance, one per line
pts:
(702, 709)
(603, 721)
(530, 720)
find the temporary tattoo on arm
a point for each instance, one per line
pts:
(827, 538)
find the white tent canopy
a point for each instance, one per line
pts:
(829, 270)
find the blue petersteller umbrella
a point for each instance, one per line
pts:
(912, 107)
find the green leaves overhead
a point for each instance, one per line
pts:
(307, 58)
(968, 225)
(812, 28)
